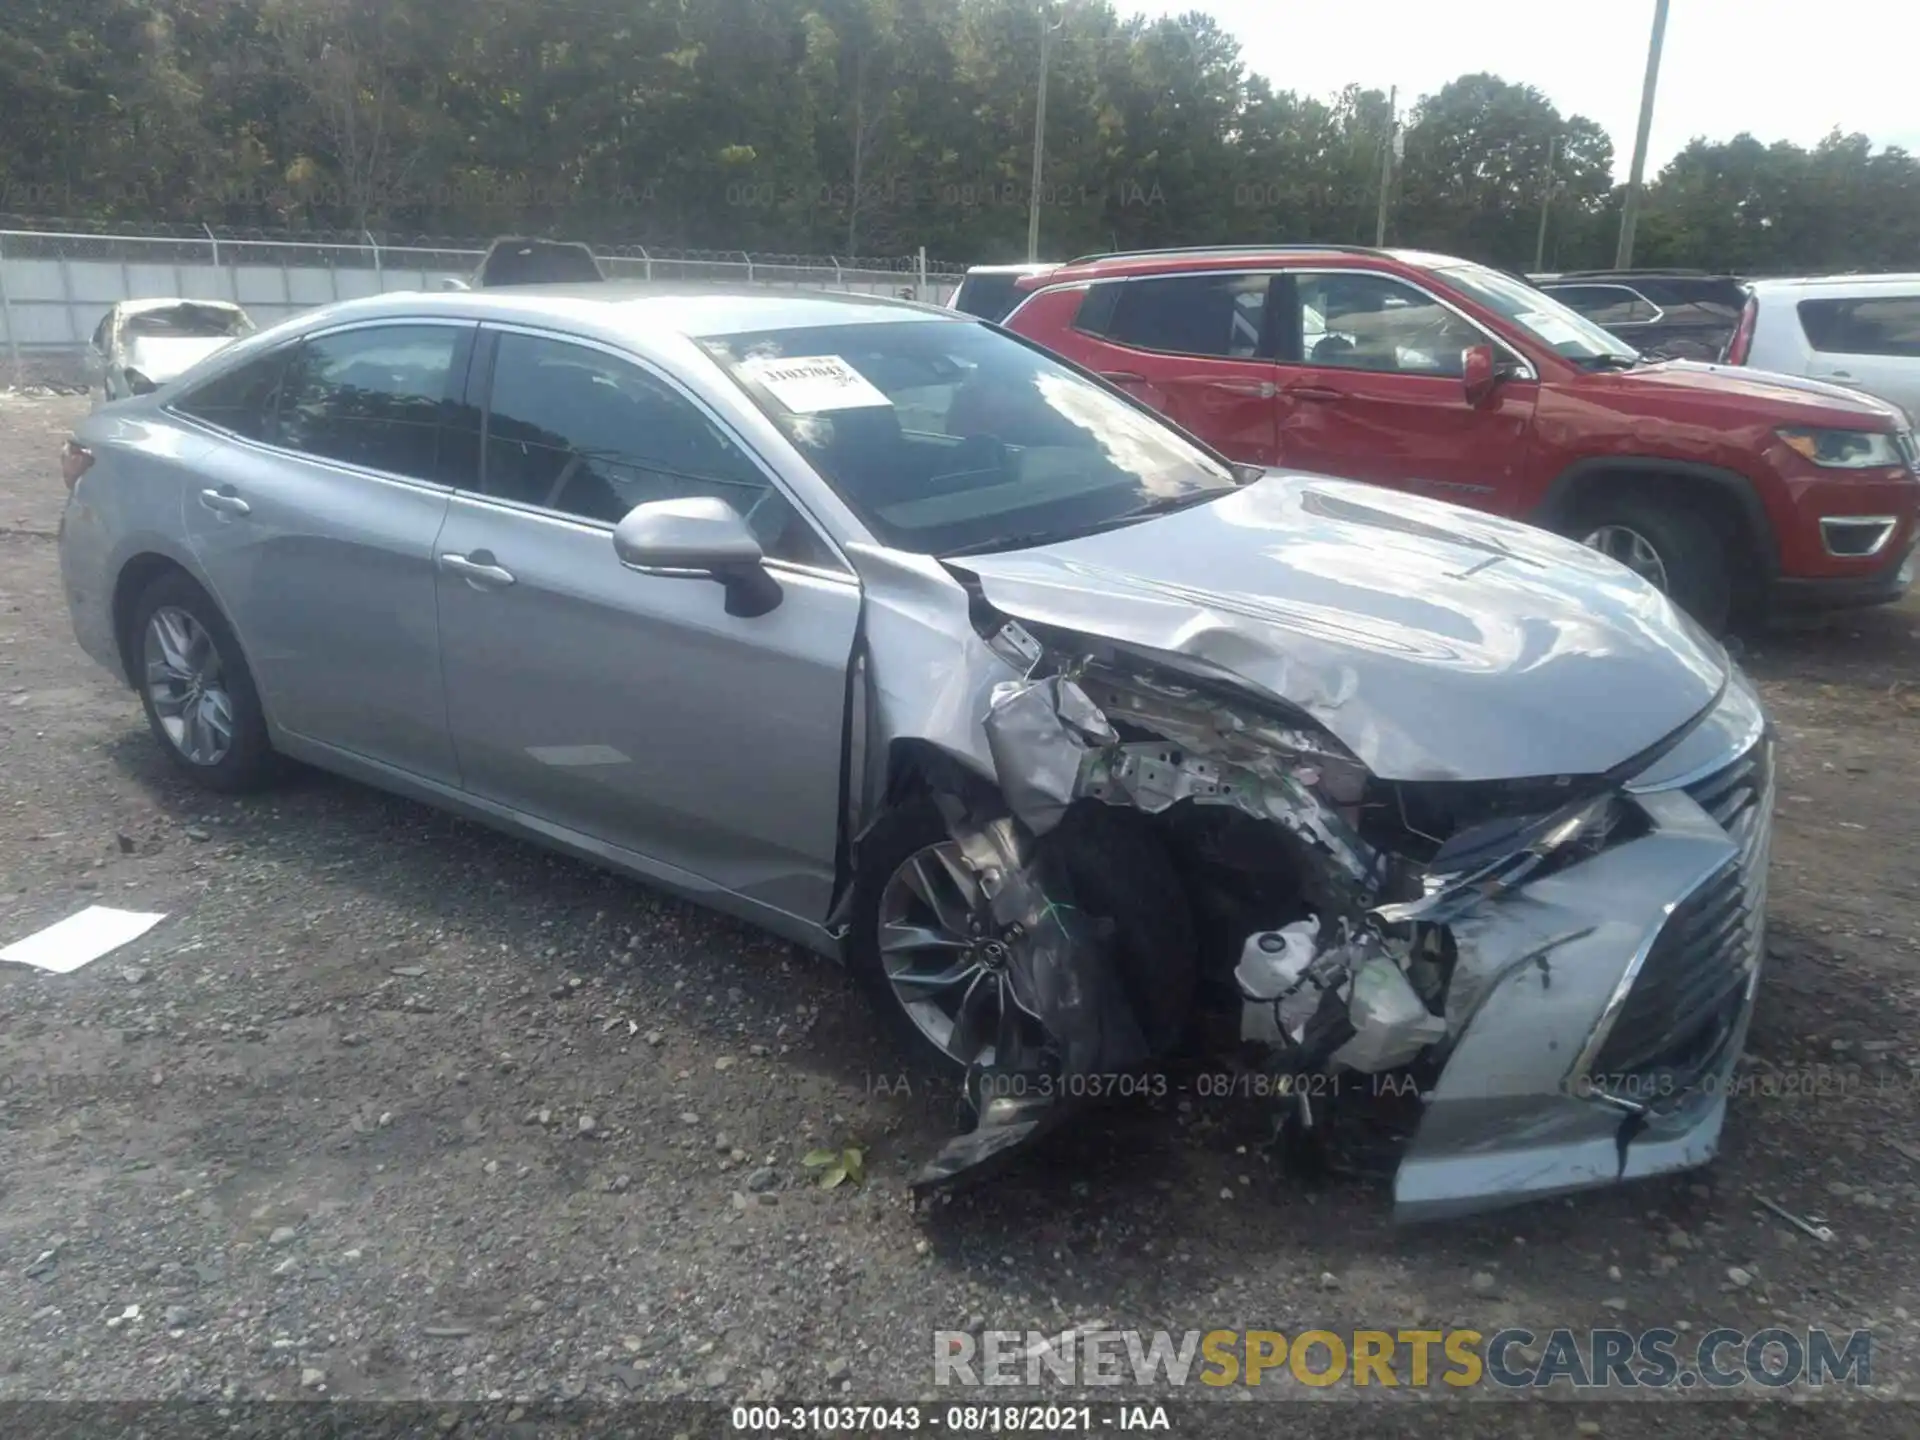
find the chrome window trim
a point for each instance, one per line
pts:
(602, 527)
(434, 487)
(363, 472)
(757, 460)
(1658, 315)
(1527, 368)
(358, 472)
(699, 404)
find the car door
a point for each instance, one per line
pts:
(1871, 343)
(1370, 388)
(314, 522)
(626, 707)
(1196, 347)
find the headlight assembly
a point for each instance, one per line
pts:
(1844, 449)
(1484, 862)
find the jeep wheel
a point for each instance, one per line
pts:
(1677, 550)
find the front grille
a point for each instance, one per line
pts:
(1909, 449)
(1686, 1001)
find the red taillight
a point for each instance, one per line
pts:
(1742, 341)
(75, 461)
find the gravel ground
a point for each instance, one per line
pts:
(390, 1106)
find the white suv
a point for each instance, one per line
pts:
(1858, 330)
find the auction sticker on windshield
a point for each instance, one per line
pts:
(1550, 328)
(809, 384)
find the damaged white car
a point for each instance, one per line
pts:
(140, 345)
(891, 632)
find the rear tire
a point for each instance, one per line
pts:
(196, 689)
(1682, 550)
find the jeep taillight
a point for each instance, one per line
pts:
(75, 461)
(1742, 342)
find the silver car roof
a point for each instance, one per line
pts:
(633, 308)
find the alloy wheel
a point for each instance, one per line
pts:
(1631, 549)
(944, 957)
(187, 684)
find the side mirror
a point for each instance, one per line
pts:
(698, 538)
(449, 283)
(1478, 373)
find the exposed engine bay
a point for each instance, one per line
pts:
(1320, 898)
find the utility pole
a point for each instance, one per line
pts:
(1630, 212)
(1546, 204)
(1039, 135)
(1386, 165)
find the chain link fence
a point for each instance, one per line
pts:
(57, 282)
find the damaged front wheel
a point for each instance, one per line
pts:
(943, 959)
(949, 976)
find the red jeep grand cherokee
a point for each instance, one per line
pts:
(1733, 490)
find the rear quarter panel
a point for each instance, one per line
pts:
(128, 504)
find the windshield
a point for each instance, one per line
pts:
(1569, 333)
(943, 435)
(199, 322)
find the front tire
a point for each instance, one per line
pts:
(921, 941)
(1678, 549)
(196, 689)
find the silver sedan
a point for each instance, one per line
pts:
(890, 632)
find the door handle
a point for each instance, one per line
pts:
(1315, 392)
(478, 570)
(1255, 389)
(1123, 377)
(224, 502)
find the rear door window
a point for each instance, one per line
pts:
(1880, 325)
(242, 400)
(1222, 314)
(374, 396)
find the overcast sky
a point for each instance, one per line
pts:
(1781, 69)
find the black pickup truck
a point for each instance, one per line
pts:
(1664, 314)
(523, 260)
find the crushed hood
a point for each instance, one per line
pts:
(161, 357)
(1435, 642)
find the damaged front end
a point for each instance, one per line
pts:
(1560, 968)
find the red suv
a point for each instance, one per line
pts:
(1732, 490)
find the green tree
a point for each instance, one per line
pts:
(1477, 168)
(837, 126)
